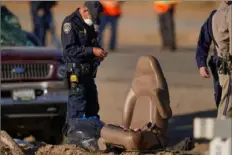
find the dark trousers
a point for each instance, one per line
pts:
(217, 86)
(83, 126)
(113, 21)
(41, 25)
(83, 99)
(217, 92)
(167, 29)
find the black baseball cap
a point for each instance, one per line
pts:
(95, 8)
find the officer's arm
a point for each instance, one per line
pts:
(72, 48)
(203, 45)
(96, 41)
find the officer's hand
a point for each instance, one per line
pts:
(204, 72)
(98, 52)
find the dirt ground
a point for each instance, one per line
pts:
(138, 35)
(74, 150)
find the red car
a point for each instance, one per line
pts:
(33, 91)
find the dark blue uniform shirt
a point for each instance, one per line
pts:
(204, 41)
(78, 40)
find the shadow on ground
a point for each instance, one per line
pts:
(181, 126)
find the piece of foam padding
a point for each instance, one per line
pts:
(129, 139)
(8, 141)
(117, 135)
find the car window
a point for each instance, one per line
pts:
(11, 32)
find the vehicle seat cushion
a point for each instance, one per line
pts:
(149, 81)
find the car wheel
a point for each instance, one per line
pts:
(51, 137)
(53, 133)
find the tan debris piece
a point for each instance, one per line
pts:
(6, 140)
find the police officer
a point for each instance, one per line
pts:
(82, 54)
(221, 23)
(203, 47)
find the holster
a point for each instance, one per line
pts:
(224, 65)
(84, 69)
(213, 66)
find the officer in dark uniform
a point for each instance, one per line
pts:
(202, 52)
(82, 54)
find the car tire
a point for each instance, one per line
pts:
(49, 137)
(53, 133)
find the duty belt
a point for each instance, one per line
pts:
(83, 69)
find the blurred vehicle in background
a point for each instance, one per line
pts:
(12, 33)
(33, 90)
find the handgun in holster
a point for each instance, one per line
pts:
(95, 67)
(211, 63)
(213, 66)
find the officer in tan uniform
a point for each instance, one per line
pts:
(222, 35)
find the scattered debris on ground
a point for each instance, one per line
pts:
(8, 146)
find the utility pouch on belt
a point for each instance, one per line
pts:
(224, 65)
(88, 70)
(85, 69)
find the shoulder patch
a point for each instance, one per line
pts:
(67, 28)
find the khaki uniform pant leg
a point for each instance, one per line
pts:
(226, 99)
